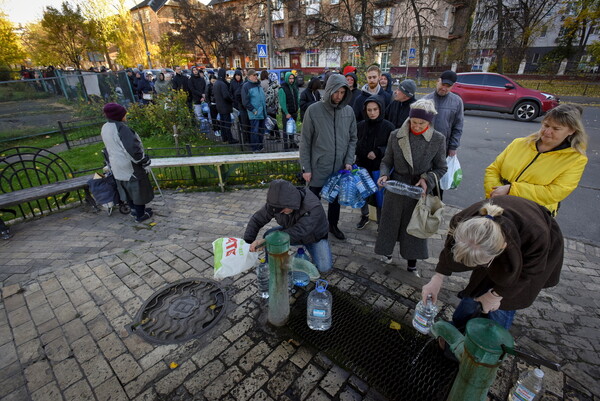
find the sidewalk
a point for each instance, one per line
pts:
(73, 280)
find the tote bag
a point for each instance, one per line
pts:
(427, 216)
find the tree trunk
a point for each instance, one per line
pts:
(500, 39)
(459, 35)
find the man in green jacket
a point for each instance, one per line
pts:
(328, 141)
(289, 100)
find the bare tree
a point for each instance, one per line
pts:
(216, 32)
(459, 33)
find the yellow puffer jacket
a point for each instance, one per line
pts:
(545, 178)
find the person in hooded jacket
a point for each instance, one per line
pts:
(289, 101)
(310, 95)
(404, 96)
(224, 102)
(253, 98)
(162, 86)
(373, 134)
(212, 104)
(385, 81)
(328, 142)
(197, 85)
(300, 214)
(236, 92)
(352, 80)
(371, 88)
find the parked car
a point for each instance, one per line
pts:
(495, 92)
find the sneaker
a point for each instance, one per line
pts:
(146, 216)
(386, 259)
(134, 214)
(364, 220)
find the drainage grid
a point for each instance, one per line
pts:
(180, 311)
(400, 364)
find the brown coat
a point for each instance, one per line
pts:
(532, 260)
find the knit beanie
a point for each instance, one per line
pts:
(114, 111)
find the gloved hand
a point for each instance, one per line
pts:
(490, 301)
(432, 287)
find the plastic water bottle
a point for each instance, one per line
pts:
(319, 306)
(400, 188)
(262, 276)
(424, 314)
(290, 126)
(366, 179)
(528, 387)
(299, 278)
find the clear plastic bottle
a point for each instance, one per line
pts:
(262, 278)
(401, 188)
(290, 126)
(319, 307)
(424, 315)
(528, 387)
(299, 278)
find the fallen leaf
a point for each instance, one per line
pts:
(394, 325)
(152, 224)
(173, 365)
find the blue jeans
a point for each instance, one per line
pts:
(319, 251)
(468, 308)
(257, 134)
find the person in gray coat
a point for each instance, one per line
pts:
(328, 141)
(300, 214)
(450, 109)
(128, 162)
(416, 152)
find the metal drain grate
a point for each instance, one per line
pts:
(401, 364)
(179, 312)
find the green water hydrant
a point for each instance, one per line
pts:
(480, 354)
(278, 245)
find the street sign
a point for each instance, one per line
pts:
(262, 51)
(412, 52)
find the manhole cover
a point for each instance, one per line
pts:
(179, 312)
(401, 364)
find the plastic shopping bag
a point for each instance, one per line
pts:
(232, 256)
(453, 176)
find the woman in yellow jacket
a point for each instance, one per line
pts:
(546, 166)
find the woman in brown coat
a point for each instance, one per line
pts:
(513, 247)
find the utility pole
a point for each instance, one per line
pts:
(269, 33)
(145, 40)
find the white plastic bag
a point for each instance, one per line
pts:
(453, 176)
(232, 256)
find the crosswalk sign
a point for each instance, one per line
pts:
(262, 51)
(412, 52)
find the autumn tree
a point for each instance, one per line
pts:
(66, 33)
(103, 23)
(579, 19)
(216, 32)
(36, 48)
(11, 52)
(172, 49)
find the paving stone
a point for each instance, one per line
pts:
(156, 355)
(283, 379)
(358, 384)
(210, 352)
(57, 298)
(58, 350)
(67, 372)
(236, 350)
(100, 295)
(137, 347)
(97, 370)
(9, 384)
(30, 351)
(19, 316)
(349, 394)
(99, 327)
(17, 301)
(110, 390)
(49, 286)
(126, 368)
(38, 374)
(175, 378)
(148, 376)
(84, 348)
(64, 313)
(204, 377)
(74, 330)
(79, 391)
(123, 294)
(302, 357)
(22, 333)
(19, 394)
(49, 392)
(251, 384)
(223, 384)
(307, 381)
(280, 354)
(334, 380)
(254, 356)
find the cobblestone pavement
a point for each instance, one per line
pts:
(71, 281)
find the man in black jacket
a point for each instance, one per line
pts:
(181, 82)
(197, 87)
(224, 102)
(404, 96)
(300, 214)
(371, 88)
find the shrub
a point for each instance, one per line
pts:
(159, 117)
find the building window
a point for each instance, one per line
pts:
(278, 31)
(280, 60)
(334, 2)
(357, 21)
(249, 34)
(544, 31)
(403, 58)
(237, 62)
(312, 58)
(311, 27)
(536, 58)
(446, 16)
(383, 56)
(261, 10)
(262, 62)
(313, 7)
(249, 62)
(246, 12)
(353, 55)
(277, 10)
(294, 29)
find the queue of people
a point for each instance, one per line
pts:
(510, 241)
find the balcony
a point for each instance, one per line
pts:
(380, 31)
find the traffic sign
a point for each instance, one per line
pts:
(262, 51)
(412, 52)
